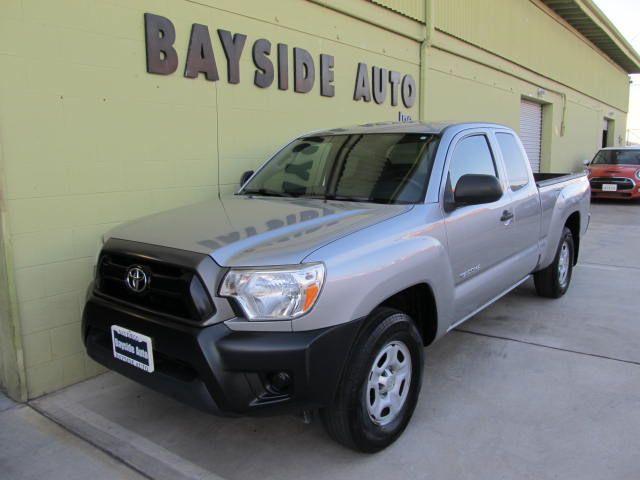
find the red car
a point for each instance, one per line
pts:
(615, 173)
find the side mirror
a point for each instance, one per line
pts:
(586, 162)
(245, 176)
(474, 189)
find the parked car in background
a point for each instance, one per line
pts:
(615, 173)
(317, 285)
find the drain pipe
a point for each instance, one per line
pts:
(424, 49)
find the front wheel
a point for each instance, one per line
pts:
(553, 281)
(381, 384)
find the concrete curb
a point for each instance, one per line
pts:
(139, 453)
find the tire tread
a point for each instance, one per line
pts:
(336, 418)
(546, 280)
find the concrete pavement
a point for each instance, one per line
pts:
(529, 388)
(5, 403)
(34, 447)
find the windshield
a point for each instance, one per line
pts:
(381, 168)
(617, 157)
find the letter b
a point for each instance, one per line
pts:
(160, 36)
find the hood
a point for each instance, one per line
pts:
(628, 171)
(255, 231)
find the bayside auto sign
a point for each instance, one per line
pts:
(377, 84)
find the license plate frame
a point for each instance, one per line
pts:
(609, 187)
(133, 348)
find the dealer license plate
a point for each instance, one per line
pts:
(132, 347)
(609, 187)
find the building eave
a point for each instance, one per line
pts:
(593, 24)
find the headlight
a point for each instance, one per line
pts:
(280, 293)
(638, 174)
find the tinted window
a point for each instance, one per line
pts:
(472, 155)
(617, 157)
(383, 168)
(514, 160)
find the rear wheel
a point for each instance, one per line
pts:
(380, 387)
(553, 281)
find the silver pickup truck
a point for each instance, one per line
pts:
(318, 283)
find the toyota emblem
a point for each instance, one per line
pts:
(136, 279)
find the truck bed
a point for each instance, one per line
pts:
(560, 193)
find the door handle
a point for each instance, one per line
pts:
(506, 216)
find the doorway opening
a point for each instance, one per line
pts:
(608, 131)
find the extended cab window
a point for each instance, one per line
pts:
(471, 156)
(373, 167)
(514, 161)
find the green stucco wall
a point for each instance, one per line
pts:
(12, 375)
(90, 139)
(466, 83)
(527, 33)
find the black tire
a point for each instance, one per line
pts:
(548, 281)
(347, 420)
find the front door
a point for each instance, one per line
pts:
(476, 234)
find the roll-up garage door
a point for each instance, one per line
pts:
(531, 131)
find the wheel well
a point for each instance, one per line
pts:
(573, 224)
(419, 303)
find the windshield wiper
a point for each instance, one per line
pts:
(267, 193)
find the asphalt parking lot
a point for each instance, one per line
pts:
(529, 388)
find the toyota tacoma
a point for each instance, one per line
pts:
(316, 286)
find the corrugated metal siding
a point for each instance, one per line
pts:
(531, 131)
(409, 8)
(576, 15)
(525, 34)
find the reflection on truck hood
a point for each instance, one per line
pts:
(259, 231)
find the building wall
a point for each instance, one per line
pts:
(464, 82)
(89, 139)
(11, 368)
(415, 9)
(5, 322)
(527, 33)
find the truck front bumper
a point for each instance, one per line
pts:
(222, 371)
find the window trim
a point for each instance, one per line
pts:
(523, 153)
(454, 147)
(455, 141)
